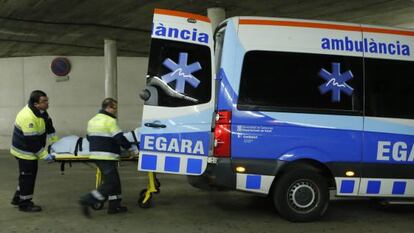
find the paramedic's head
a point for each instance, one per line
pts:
(39, 100)
(110, 105)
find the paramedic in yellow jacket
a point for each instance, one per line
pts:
(32, 127)
(105, 139)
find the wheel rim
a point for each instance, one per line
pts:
(303, 196)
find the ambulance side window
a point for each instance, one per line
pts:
(184, 67)
(292, 82)
(389, 88)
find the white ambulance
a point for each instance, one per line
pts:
(281, 107)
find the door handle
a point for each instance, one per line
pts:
(155, 125)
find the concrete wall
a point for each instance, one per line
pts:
(72, 102)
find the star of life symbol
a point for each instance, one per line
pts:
(336, 82)
(181, 72)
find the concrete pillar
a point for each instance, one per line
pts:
(216, 15)
(111, 87)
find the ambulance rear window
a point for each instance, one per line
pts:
(185, 67)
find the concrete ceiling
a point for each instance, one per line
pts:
(78, 27)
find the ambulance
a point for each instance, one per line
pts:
(293, 109)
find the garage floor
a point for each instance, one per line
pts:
(178, 208)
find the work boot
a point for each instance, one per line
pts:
(16, 198)
(85, 208)
(116, 208)
(29, 207)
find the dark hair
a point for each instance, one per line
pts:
(108, 102)
(35, 96)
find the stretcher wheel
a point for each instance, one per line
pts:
(98, 206)
(147, 204)
(157, 183)
(142, 193)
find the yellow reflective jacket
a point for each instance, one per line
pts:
(105, 137)
(31, 129)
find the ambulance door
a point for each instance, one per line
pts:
(179, 105)
(389, 117)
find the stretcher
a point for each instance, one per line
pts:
(76, 149)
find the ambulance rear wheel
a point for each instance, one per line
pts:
(301, 195)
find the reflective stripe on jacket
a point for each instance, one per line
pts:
(31, 129)
(105, 137)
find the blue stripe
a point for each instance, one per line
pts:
(318, 120)
(227, 94)
(172, 164)
(347, 186)
(388, 125)
(253, 182)
(399, 187)
(149, 162)
(251, 141)
(374, 187)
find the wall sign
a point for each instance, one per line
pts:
(60, 66)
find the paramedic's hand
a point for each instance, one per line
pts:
(49, 158)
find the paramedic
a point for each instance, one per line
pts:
(31, 129)
(105, 139)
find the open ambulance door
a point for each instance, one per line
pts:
(179, 99)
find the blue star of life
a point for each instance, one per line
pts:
(181, 72)
(336, 82)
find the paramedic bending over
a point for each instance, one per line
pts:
(105, 139)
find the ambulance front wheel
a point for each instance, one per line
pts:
(301, 195)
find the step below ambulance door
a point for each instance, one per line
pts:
(179, 105)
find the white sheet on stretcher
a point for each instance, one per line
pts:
(64, 149)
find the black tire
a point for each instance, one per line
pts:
(141, 198)
(157, 183)
(98, 206)
(301, 195)
(142, 193)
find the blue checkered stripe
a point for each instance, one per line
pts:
(254, 183)
(374, 187)
(172, 163)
